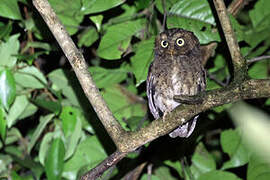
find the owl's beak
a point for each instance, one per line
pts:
(171, 52)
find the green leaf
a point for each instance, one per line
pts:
(5, 30)
(202, 161)
(142, 59)
(3, 125)
(8, 49)
(15, 176)
(87, 37)
(260, 13)
(146, 177)
(17, 108)
(44, 146)
(232, 144)
(176, 165)
(168, 5)
(62, 80)
(89, 152)
(164, 173)
(142, 4)
(107, 77)
(31, 70)
(259, 70)
(194, 9)
(216, 174)
(55, 160)
(73, 139)
(52, 106)
(117, 39)
(94, 6)
(255, 127)
(70, 12)
(10, 9)
(28, 81)
(5, 162)
(258, 169)
(69, 119)
(28, 111)
(202, 30)
(13, 135)
(41, 126)
(39, 45)
(97, 20)
(123, 103)
(7, 88)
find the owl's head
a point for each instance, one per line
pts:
(176, 42)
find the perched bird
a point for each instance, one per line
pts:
(176, 70)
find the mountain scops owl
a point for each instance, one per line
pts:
(176, 70)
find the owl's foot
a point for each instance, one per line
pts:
(185, 130)
(188, 99)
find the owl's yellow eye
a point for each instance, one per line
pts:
(164, 43)
(180, 42)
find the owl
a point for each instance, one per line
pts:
(176, 70)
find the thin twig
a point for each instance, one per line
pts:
(239, 64)
(256, 59)
(149, 171)
(80, 67)
(214, 78)
(236, 6)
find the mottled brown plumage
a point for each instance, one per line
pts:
(176, 70)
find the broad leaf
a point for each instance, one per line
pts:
(202, 161)
(94, 6)
(194, 9)
(232, 144)
(7, 88)
(216, 174)
(8, 50)
(123, 103)
(258, 169)
(260, 14)
(10, 9)
(41, 126)
(117, 39)
(54, 163)
(3, 125)
(106, 77)
(69, 12)
(89, 152)
(142, 59)
(17, 108)
(87, 37)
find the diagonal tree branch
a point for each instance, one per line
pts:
(80, 67)
(239, 63)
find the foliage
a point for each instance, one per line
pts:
(48, 129)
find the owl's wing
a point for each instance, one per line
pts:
(150, 93)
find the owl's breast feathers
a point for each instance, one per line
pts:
(176, 77)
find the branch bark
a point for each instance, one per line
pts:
(113, 159)
(129, 141)
(239, 63)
